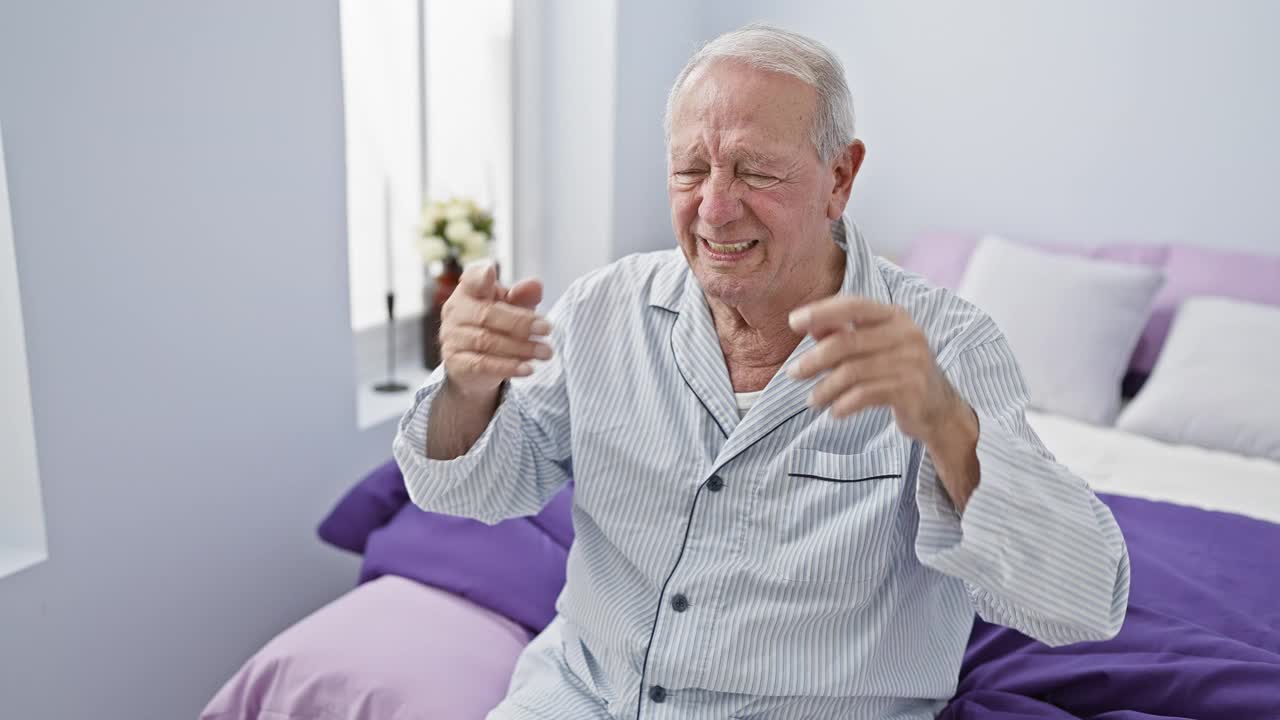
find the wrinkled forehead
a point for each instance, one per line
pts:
(730, 106)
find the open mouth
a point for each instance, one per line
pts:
(727, 251)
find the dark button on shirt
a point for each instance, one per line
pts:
(679, 602)
(715, 483)
(657, 693)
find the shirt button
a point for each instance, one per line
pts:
(715, 483)
(657, 693)
(679, 602)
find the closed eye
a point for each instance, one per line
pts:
(688, 176)
(756, 180)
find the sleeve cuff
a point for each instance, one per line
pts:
(427, 479)
(1013, 489)
(1026, 521)
(941, 542)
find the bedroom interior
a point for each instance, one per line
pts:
(209, 204)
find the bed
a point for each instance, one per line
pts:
(444, 605)
(1202, 638)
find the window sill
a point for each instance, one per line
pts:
(374, 408)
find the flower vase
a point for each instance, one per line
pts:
(446, 281)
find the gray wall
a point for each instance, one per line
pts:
(1071, 120)
(593, 187)
(655, 39)
(176, 178)
(575, 142)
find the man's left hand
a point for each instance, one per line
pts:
(874, 354)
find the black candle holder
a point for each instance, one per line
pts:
(391, 385)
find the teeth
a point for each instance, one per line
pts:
(728, 249)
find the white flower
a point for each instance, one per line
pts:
(475, 246)
(432, 214)
(433, 249)
(457, 210)
(457, 230)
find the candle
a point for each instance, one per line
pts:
(386, 231)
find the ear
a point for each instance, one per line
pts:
(844, 167)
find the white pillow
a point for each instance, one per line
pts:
(1216, 383)
(1072, 321)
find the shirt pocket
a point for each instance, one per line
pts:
(830, 517)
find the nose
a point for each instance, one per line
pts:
(721, 201)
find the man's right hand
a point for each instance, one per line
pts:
(489, 333)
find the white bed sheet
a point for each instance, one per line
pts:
(1122, 463)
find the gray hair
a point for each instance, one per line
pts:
(765, 47)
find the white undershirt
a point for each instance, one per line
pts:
(745, 401)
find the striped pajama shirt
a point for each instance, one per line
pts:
(784, 564)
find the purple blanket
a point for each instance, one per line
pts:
(1201, 640)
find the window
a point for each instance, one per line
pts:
(384, 155)
(22, 538)
(428, 104)
(470, 108)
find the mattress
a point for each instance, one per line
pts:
(1121, 463)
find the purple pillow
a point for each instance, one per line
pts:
(515, 568)
(365, 508)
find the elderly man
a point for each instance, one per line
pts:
(798, 469)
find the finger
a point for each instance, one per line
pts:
(499, 290)
(848, 375)
(503, 318)
(470, 338)
(838, 312)
(526, 294)
(896, 314)
(476, 365)
(862, 396)
(843, 346)
(479, 281)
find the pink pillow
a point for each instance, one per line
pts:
(942, 257)
(1191, 271)
(391, 649)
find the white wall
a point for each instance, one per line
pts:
(1074, 120)
(176, 179)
